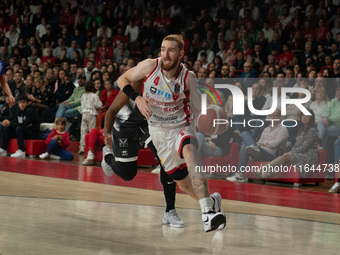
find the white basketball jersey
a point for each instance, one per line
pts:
(171, 102)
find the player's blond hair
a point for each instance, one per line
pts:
(176, 38)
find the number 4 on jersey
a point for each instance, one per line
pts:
(156, 81)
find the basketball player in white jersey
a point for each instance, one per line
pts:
(165, 103)
(124, 127)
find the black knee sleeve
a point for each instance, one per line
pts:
(125, 170)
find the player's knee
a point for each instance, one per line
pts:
(185, 184)
(128, 170)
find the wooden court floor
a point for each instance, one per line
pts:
(45, 210)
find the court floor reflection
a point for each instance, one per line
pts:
(60, 226)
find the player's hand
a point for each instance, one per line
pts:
(143, 106)
(108, 141)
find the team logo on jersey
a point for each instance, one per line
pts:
(125, 153)
(161, 93)
(177, 89)
(123, 142)
(153, 90)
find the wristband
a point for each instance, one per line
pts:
(130, 92)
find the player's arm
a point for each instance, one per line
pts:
(6, 89)
(139, 72)
(117, 104)
(195, 95)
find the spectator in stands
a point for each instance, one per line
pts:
(13, 35)
(62, 58)
(321, 31)
(34, 58)
(90, 104)
(41, 30)
(77, 58)
(265, 149)
(66, 19)
(25, 125)
(30, 87)
(67, 108)
(57, 142)
(330, 124)
(74, 47)
(4, 54)
(9, 111)
(88, 49)
(98, 87)
(210, 53)
(248, 74)
(305, 150)
(94, 16)
(94, 136)
(239, 62)
(294, 113)
(89, 69)
(57, 50)
(202, 74)
(108, 95)
(104, 52)
(42, 98)
(147, 36)
(18, 87)
(336, 187)
(320, 104)
(104, 32)
(49, 57)
(120, 53)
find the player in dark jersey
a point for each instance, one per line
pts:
(4, 84)
(128, 126)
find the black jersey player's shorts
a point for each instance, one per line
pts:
(127, 140)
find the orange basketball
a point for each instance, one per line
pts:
(214, 122)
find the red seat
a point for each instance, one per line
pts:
(293, 175)
(32, 147)
(230, 159)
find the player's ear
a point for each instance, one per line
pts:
(181, 54)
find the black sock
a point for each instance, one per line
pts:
(169, 186)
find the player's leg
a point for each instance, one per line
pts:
(212, 215)
(169, 185)
(126, 148)
(170, 215)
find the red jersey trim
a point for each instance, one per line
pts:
(185, 80)
(152, 70)
(179, 71)
(176, 168)
(180, 145)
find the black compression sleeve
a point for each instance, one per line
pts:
(130, 92)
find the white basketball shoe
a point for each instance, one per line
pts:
(105, 166)
(173, 219)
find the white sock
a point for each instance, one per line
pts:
(206, 204)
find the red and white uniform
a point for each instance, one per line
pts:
(171, 121)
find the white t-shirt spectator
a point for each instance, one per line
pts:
(133, 33)
(41, 29)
